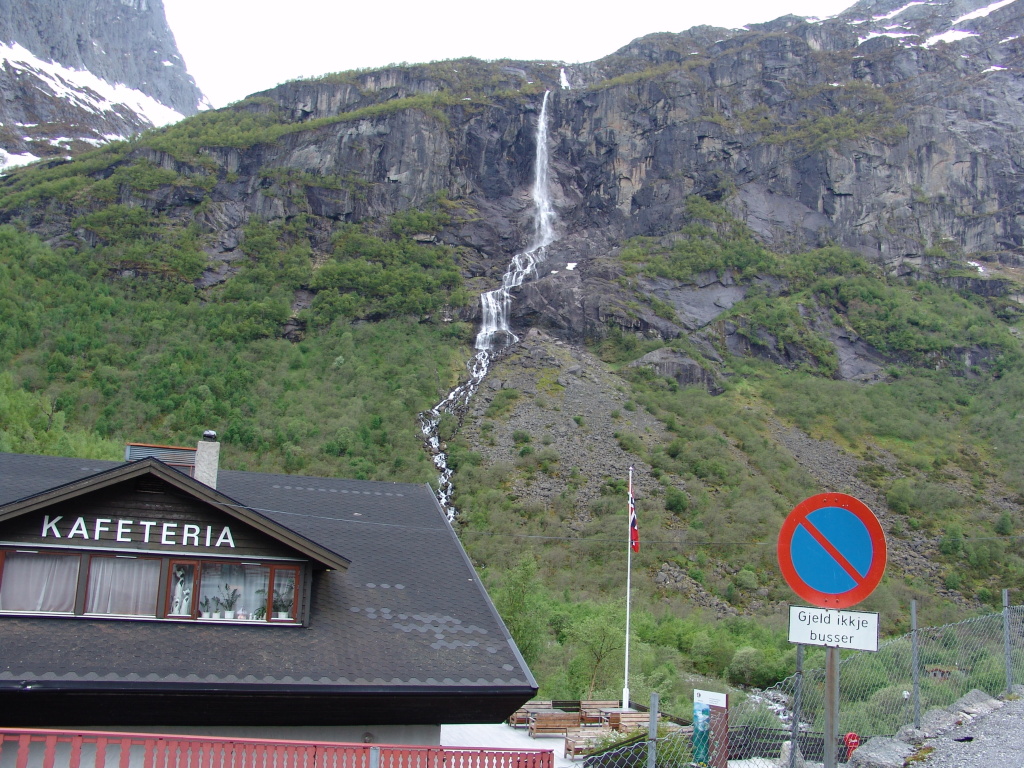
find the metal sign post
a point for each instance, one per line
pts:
(832, 553)
(831, 706)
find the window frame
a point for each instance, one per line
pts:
(193, 603)
(89, 559)
(163, 600)
(298, 608)
(296, 614)
(78, 580)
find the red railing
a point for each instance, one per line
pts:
(20, 748)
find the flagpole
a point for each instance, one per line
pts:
(629, 573)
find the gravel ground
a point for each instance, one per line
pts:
(993, 741)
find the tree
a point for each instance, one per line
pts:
(597, 638)
(519, 603)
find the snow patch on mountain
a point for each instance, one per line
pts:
(8, 161)
(84, 89)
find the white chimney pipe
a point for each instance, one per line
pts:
(207, 459)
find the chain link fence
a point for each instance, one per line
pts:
(880, 693)
(672, 751)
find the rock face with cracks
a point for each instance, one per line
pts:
(878, 130)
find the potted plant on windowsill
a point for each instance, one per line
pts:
(215, 607)
(230, 599)
(283, 603)
(204, 608)
(260, 614)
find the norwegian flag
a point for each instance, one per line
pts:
(634, 528)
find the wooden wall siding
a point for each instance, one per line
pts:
(128, 502)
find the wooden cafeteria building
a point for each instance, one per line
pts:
(163, 594)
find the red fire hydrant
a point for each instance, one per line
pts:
(852, 741)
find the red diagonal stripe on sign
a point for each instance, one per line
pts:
(829, 547)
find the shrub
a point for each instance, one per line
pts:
(676, 501)
(502, 403)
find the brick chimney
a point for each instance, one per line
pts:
(207, 459)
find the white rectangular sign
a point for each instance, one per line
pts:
(711, 698)
(837, 629)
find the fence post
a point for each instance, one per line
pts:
(798, 695)
(831, 705)
(652, 731)
(1006, 641)
(915, 660)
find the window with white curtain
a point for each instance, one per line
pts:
(149, 587)
(124, 586)
(39, 582)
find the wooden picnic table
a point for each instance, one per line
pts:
(590, 711)
(553, 721)
(624, 720)
(582, 741)
(522, 715)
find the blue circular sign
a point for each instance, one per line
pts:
(832, 550)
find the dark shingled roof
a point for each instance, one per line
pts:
(409, 618)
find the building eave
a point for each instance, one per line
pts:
(55, 703)
(156, 468)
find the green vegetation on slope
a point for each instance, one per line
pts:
(109, 339)
(241, 127)
(464, 77)
(370, 277)
(151, 358)
(927, 440)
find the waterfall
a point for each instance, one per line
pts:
(495, 304)
(495, 335)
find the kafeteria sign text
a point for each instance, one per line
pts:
(839, 629)
(144, 531)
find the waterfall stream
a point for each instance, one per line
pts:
(495, 336)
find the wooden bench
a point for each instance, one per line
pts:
(522, 715)
(627, 721)
(580, 742)
(554, 721)
(590, 711)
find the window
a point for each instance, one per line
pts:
(243, 592)
(284, 593)
(127, 585)
(31, 581)
(181, 589)
(234, 591)
(123, 586)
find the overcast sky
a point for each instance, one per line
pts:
(233, 48)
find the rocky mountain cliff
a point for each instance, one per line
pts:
(80, 73)
(887, 129)
(890, 130)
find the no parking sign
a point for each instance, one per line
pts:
(832, 550)
(832, 554)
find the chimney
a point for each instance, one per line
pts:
(207, 459)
